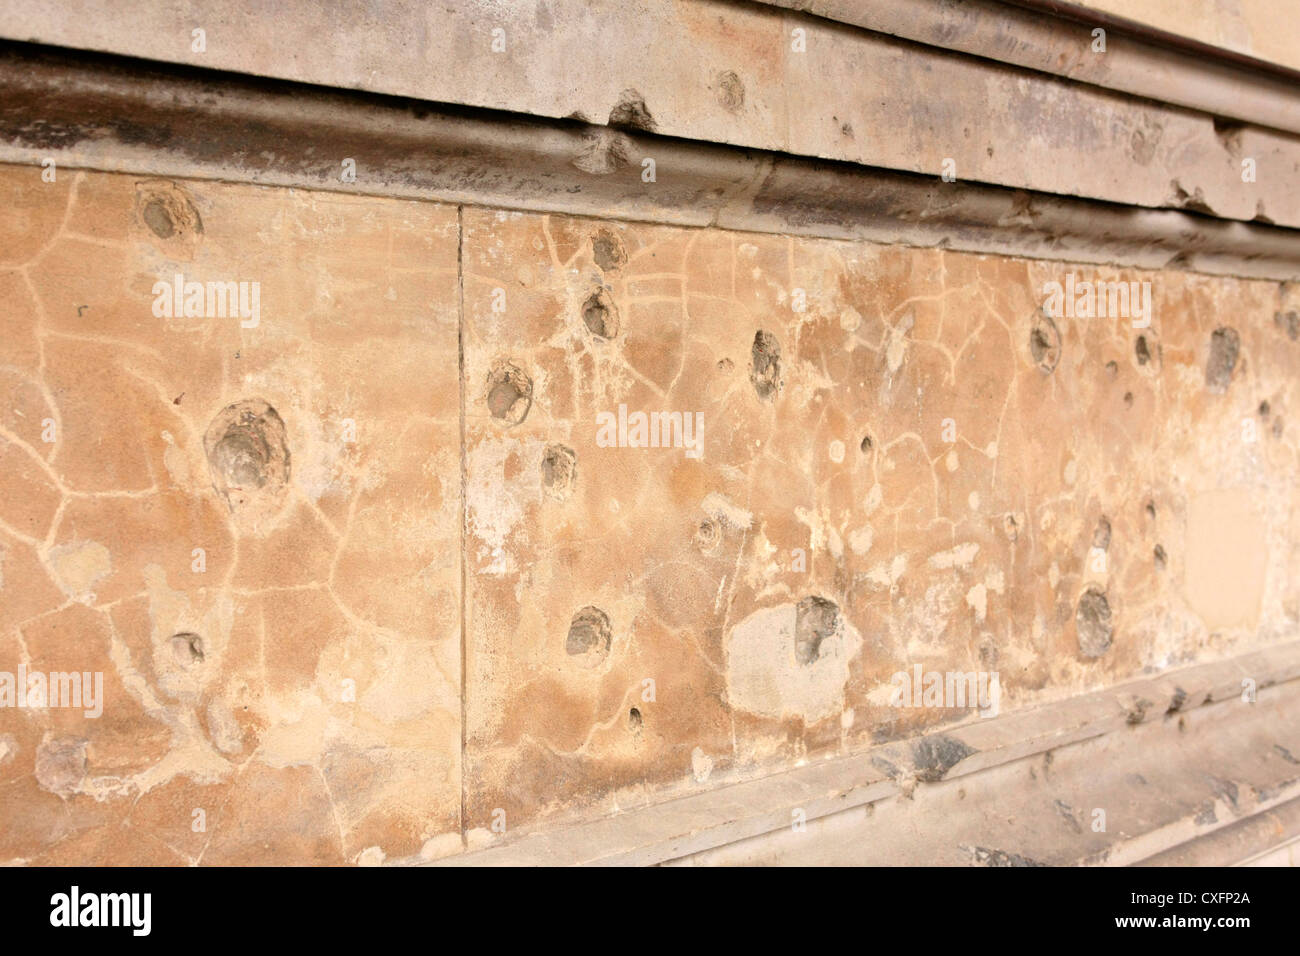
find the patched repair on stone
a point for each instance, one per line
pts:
(791, 660)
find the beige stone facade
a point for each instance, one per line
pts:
(403, 528)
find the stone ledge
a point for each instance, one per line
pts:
(110, 115)
(736, 80)
(754, 809)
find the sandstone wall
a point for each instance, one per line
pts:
(367, 578)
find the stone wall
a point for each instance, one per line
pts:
(383, 566)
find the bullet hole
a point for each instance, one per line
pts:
(589, 635)
(1264, 409)
(248, 455)
(1010, 526)
(1150, 510)
(731, 92)
(600, 315)
(725, 365)
(608, 251)
(168, 214)
(187, 649)
(1288, 322)
(1101, 534)
(988, 652)
(815, 620)
(765, 364)
(708, 535)
(634, 720)
(1045, 344)
(603, 151)
(1142, 350)
(61, 763)
(1128, 399)
(1093, 621)
(1112, 369)
(866, 444)
(630, 112)
(933, 757)
(1225, 344)
(1160, 557)
(158, 219)
(559, 471)
(1193, 201)
(1176, 701)
(509, 393)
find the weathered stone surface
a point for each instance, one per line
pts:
(869, 459)
(247, 524)
(888, 431)
(750, 75)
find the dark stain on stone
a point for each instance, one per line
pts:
(630, 112)
(589, 633)
(1067, 814)
(933, 757)
(187, 649)
(815, 620)
(600, 315)
(1093, 622)
(988, 652)
(1161, 559)
(248, 452)
(608, 251)
(1142, 350)
(1225, 344)
(559, 471)
(987, 857)
(1288, 322)
(509, 393)
(1207, 816)
(765, 364)
(1137, 711)
(1045, 344)
(1286, 754)
(1176, 702)
(731, 91)
(1264, 409)
(1224, 789)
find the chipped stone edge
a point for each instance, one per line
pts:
(687, 825)
(101, 113)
